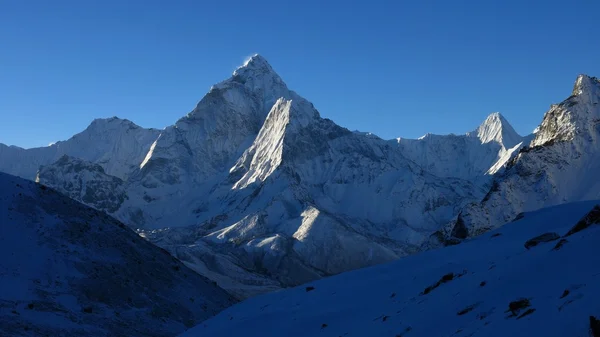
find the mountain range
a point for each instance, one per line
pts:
(256, 191)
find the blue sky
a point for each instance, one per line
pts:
(395, 68)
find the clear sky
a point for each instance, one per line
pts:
(394, 68)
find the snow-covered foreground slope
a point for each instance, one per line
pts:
(69, 270)
(537, 276)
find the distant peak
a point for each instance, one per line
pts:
(495, 118)
(585, 84)
(497, 128)
(112, 122)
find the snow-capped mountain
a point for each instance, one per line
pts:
(118, 145)
(191, 158)
(534, 277)
(560, 165)
(70, 270)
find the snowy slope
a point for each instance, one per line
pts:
(560, 165)
(118, 145)
(69, 270)
(489, 286)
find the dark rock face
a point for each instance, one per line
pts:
(560, 244)
(546, 237)
(592, 218)
(460, 231)
(594, 326)
(445, 279)
(516, 306)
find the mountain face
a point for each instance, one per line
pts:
(116, 144)
(84, 181)
(534, 277)
(255, 190)
(560, 165)
(70, 270)
(192, 158)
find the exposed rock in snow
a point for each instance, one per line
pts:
(489, 286)
(70, 270)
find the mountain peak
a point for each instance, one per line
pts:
(255, 61)
(256, 78)
(575, 115)
(255, 66)
(112, 122)
(497, 128)
(586, 85)
(495, 118)
(256, 74)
